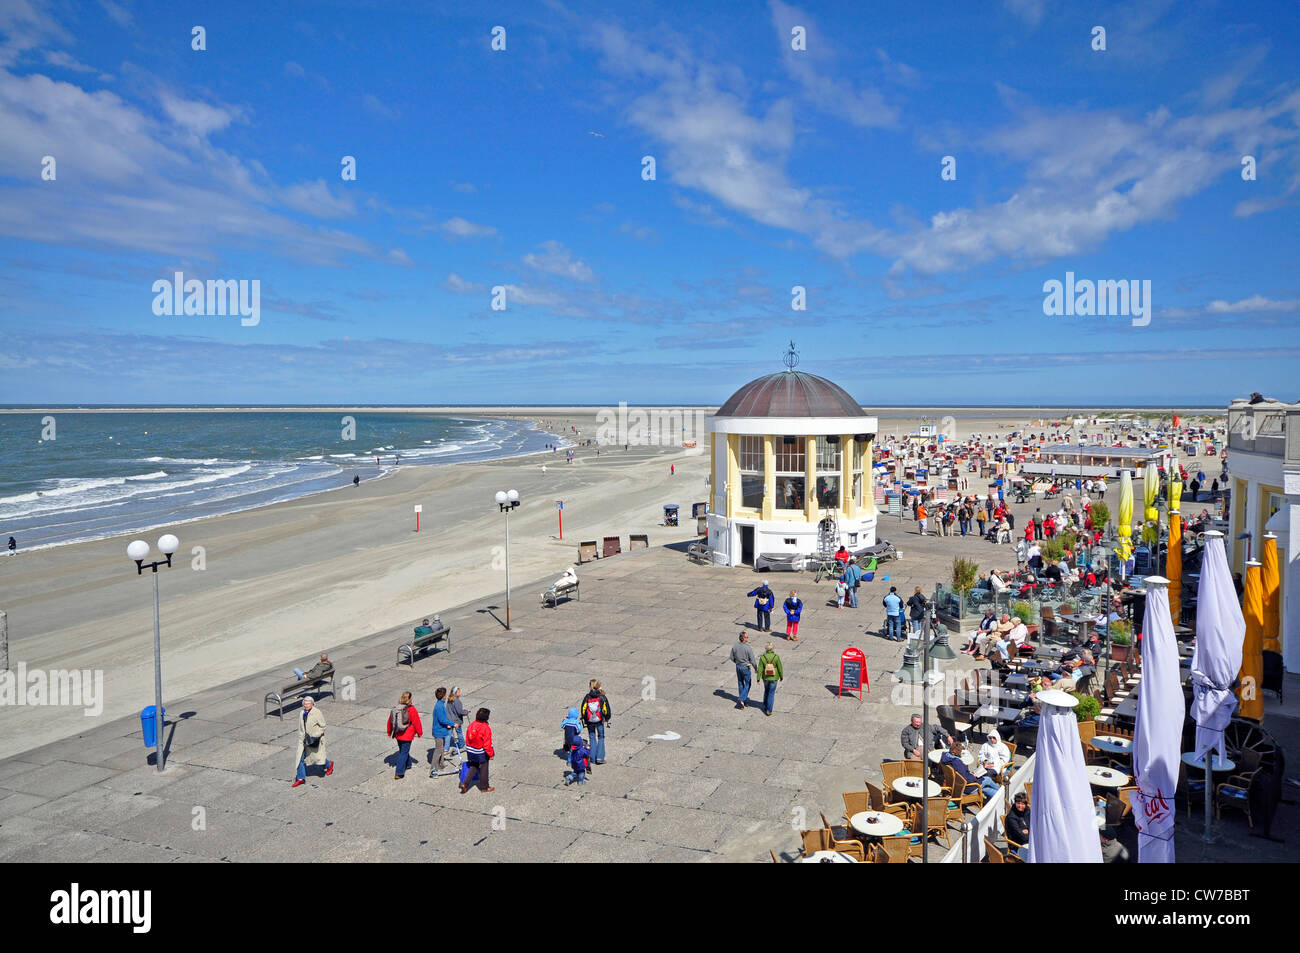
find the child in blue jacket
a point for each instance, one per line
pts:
(579, 759)
(764, 600)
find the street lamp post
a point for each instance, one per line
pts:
(507, 500)
(138, 550)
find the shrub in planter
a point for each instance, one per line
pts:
(1088, 707)
(1024, 612)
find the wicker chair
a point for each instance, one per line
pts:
(993, 852)
(964, 793)
(855, 802)
(877, 854)
(891, 771)
(815, 840)
(936, 818)
(852, 847)
(878, 802)
(900, 847)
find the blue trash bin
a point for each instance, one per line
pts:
(148, 724)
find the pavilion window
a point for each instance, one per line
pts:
(751, 490)
(790, 492)
(828, 491)
(789, 455)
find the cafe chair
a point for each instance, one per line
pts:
(856, 802)
(1235, 792)
(876, 854)
(936, 818)
(878, 802)
(964, 793)
(1191, 789)
(899, 847)
(851, 847)
(993, 853)
(815, 840)
(774, 858)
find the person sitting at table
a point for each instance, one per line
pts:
(1017, 825)
(1052, 573)
(952, 757)
(911, 738)
(987, 625)
(988, 644)
(1018, 633)
(993, 754)
(997, 584)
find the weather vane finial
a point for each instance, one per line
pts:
(791, 358)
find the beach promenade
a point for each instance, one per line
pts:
(653, 628)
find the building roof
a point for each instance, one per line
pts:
(791, 394)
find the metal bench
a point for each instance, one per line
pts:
(295, 690)
(425, 637)
(700, 553)
(551, 597)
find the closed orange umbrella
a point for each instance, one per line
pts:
(1269, 584)
(1252, 657)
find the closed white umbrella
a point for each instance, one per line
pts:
(1157, 741)
(1062, 822)
(1220, 633)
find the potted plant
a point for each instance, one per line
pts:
(1023, 611)
(1121, 640)
(1087, 709)
(1100, 514)
(964, 573)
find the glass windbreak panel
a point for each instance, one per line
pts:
(789, 456)
(751, 454)
(789, 492)
(828, 455)
(751, 491)
(828, 491)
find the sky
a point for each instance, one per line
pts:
(920, 170)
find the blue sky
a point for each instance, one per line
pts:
(775, 168)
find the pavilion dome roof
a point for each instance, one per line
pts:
(791, 394)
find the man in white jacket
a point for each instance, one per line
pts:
(994, 755)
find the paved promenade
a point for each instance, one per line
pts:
(653, 628)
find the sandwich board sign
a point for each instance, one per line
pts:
(853, 672)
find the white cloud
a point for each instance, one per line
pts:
(553, 258)
(377, 108)
(460, 228)
(315, 198)
(1254, 303)
(458, 285)
(1031, 11)
(200, 118)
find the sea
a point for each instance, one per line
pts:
(84, 476)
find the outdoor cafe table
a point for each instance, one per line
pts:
(1112, 744)
(1016, 681)
(1219, 764)
(911, 787)
(1050, 652)
(1127, 709)
(937, 755)
(1104, 777)
(989, 712)
(1006, 697)
(876, 823)
(828, 857)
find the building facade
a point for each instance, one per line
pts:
(1264, 475)
(790, 458)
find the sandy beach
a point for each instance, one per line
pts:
(279, 584)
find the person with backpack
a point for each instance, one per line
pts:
(764, 600)
(442, 725)
(579, 761)
(456, 709)
(311, 741)
(404, 727)
(793, 610)
(596, 715)
(770, 671)
(852, 578)
(916, 611)
(478, 746)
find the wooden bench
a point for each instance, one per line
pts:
(551, 597)
(296, 690)
(425, 637)
(699, 552)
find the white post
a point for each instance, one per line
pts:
(157, 677)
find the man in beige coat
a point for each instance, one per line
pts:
(311, 726)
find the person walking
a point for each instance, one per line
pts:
(841, 590)
(311, 741)
(13, 546)
(456, 708)
(764, 600)
(793, 607)
(478, 747)
(852, 579)
(770, 671)
(921, 516)
(742, 656)
(916, 611)
(893, 604)
(404, 727)
(596, 715)
(442, 725)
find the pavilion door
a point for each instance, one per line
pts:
(747, 545)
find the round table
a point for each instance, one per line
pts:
(1112, 744)
(911, 787)
(828, 857)
(1218, 764)
(1104, 777)
(966, 756)
(876, 823)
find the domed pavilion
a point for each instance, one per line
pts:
(791, 469)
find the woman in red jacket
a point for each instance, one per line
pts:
(478, 748)
(404, 714)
